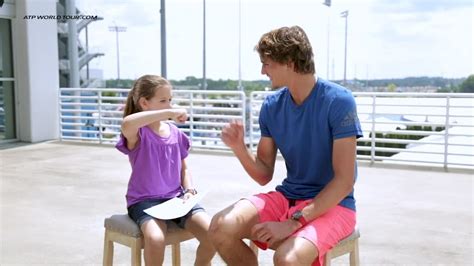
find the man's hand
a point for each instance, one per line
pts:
(178, 115)
(274, 232)
(233, 134)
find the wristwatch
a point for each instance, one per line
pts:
(298, 216)
(190, 190)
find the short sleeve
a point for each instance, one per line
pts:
(184, 144)
(343, 117)
(122, 145)
(263, 119)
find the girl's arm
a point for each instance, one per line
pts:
(132, 123)
(186, 179)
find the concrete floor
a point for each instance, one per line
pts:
(55, 196)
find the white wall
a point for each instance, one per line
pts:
(35, 47)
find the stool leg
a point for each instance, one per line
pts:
(354, 255)
(136, 252)
(108, 250)
(253, 247)
(327, 259)
(176, 254)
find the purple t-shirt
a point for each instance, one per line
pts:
(156, 164)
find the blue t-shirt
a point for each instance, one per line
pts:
(304, 134)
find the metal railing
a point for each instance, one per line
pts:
(434, 129)
(95, 115)
(209, 112)
(409, 128)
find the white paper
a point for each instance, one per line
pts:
(175, 207)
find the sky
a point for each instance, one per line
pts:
(385, 38)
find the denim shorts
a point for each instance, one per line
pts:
(137, 214)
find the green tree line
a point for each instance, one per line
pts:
(465, 85)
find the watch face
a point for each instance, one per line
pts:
(297, 215)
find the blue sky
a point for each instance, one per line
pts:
(386, 39)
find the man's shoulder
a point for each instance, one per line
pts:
(330, 87)
(275, 96)
(333, 91)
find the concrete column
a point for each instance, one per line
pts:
(35, 49)
(73, 53)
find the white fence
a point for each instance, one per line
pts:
(404, 128)
(95, 115)
(407, 128)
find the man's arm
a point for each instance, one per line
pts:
(343, 160)
(259, 167)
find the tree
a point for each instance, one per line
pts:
(467, 85)
(391, 87)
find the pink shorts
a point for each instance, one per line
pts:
(324, 232)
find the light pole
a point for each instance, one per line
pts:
(240, 88)
(117, 29)
(345, 14)
(163, 39)
(328, 4)
(204, 82)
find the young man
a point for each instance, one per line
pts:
(314, 124)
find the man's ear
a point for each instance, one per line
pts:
(290, 65)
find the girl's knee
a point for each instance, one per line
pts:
(154, 239)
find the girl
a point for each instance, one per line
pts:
(157, 151)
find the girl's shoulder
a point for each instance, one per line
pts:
(173, 128)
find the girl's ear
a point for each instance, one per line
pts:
(143, 103)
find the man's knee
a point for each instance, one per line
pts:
(291, 253)
(291, 258)
(232, 223)
(220, 227)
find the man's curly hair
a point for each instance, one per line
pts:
(288, 44)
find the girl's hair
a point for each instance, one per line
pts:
(145, 87)
(286, 45)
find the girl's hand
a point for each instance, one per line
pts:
(186, 196)
(178, 115)
(188, 193)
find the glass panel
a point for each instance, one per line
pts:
(7, 91)
(6, 64)
(7, 111)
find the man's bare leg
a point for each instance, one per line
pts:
(295, 251)
(229, 227)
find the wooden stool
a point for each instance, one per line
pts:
(349, 245)
(123, 230)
